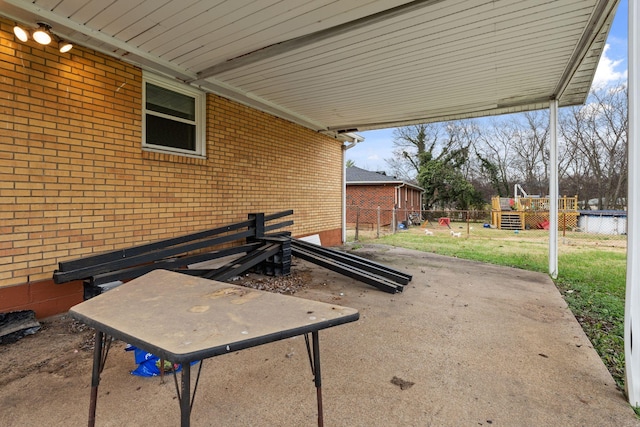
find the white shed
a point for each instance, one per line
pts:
(603, 222)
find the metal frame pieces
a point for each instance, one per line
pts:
(243, 264)
(384, 278)
(105, 271)
(265, 251)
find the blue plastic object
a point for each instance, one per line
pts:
(149, 364)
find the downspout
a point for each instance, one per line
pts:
(398, 201)
(356, 139)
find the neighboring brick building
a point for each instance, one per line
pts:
(75, 178)
(366, 191)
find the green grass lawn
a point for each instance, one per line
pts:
(590, 278)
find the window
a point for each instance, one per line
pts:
(173, 117)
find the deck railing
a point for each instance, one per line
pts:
(532, 204)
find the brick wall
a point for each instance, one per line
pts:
(368, 198)
(362, 203)
(75, 181)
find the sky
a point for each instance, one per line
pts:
(378, 144)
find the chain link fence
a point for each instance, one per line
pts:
(575, 228)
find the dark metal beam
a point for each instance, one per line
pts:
(243, 264)
(277, 215)
(355, 261)
(141, 249)
(349, 271)
(92, 270)
(278, 225)
(107, 267)
(174, 264)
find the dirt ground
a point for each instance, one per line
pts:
(63, 346)
(56, 349)
(61, 352)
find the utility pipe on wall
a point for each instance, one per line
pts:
(398, 204)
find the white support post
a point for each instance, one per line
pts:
(632, 300)
(553, 189)
(355, 139)
(344, 194)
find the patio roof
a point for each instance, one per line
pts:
(342, 66)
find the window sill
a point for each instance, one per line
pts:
(165, 156)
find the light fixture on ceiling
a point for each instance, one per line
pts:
(21, 33)
(43, 34)
(64, 46)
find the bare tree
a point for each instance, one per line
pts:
(530, 132)
(515, 149)
(496, 154)
(409, 143)
(596, 134)
(463, 135)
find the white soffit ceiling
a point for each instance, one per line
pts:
(351, 65)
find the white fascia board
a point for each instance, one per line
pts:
(395, 183)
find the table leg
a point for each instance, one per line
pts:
(316, 375)
(185, 398)
(95, 377)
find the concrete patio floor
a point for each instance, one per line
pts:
(483, 345)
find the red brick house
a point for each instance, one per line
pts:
(368, 190)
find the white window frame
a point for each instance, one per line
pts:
(200, 115)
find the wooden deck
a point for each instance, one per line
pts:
(530, 213)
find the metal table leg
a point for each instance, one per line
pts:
(316, 375)
(95, 378)
(185, 398)
(102, 342)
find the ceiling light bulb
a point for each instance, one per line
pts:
(41, 35)
(20, 33)
(64, 46)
